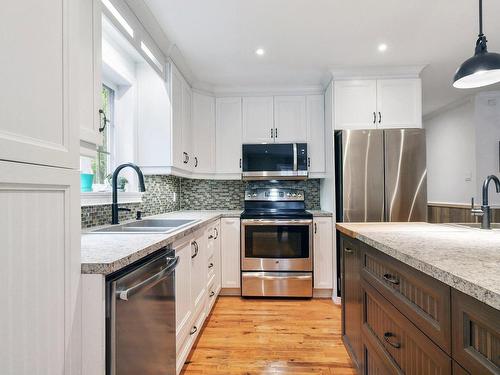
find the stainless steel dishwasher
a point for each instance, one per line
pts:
(140, 317)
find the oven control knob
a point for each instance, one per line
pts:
(254, 195)
(294, 195)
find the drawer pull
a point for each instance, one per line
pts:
(348, 251)
(387, 336)
(211, 265)
(391, 279)
(212, 293)
(196, 249)
(193, 330)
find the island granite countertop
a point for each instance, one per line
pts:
(467, 259)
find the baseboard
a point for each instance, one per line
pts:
(322, 293)
(230, 292)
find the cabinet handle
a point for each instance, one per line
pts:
(216, 233)
(276, 133)
(186, 157)
(211, 265)
(379, 117)
(196, 161)
(240, 163)
(104, 120)
(315, 228)
(309, 162)
(374, 117)
(272, 133)
(212, 293)
(193, 330)
(387, 336)
(195, 244)
(348, 251)
(390, 278)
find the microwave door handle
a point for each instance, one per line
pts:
(295, 156)
(127, 293)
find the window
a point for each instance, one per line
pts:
(102, 164)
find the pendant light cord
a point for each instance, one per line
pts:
(481, 18)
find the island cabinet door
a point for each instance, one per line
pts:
(476, 334)
(351, 297)
(396, 336)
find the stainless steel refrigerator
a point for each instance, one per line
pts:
(380, 175)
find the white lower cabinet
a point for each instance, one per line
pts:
(230, 252)
(195, 285)
(323, 252)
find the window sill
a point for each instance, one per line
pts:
(103, 198)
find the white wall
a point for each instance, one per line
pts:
(463, 148)
(487, 120)
(451, 154)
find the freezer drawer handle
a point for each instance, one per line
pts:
(392, 279)
(126, 294)
(387, 336)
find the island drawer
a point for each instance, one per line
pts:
(476, 334)
(412, 351)
(421, 298)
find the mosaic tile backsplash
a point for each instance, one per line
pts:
(158, 199)
(229, 194)
(194, 195)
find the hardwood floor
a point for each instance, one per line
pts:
(260, 336)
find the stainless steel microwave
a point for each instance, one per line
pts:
(269, 161)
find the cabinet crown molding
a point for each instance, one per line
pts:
(377, 72)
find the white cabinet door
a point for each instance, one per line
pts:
(203, 133)
(355, 104)
(176, 94)
(183, 299)
(217, 256)
(40, 266)
(399, 103)
(316, 133)
(36, 125)
(187, 134)
(198, 269)
(323, 252)
(87, 64)
(258, 119)
(228, 135)
(290, 119)
(230, 252)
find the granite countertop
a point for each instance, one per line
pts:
(321, 213)
(105, 253)
(467, 259)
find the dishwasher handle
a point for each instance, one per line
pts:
(127, 293)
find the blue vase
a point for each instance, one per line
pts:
(86, 180)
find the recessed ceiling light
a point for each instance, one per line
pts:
(260, 51)
(382, 47)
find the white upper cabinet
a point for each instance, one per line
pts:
(290, 119)
(178, 158)
(36, 100)
(383, 103)
(258, 119)
(187, 135)
(203, 122)
(88, 66)
(316, 133)
(399, 103)
(355, 104)
(228, 135)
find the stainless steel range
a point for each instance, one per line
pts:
(276, 244)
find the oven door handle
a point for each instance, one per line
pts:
(276, 222)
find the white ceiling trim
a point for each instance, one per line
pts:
(374, 72)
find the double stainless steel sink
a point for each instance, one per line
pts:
(148, 226)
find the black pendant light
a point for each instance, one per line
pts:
(483, 68)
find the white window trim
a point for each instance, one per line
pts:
(103, 198)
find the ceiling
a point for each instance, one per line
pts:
(305, 39)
